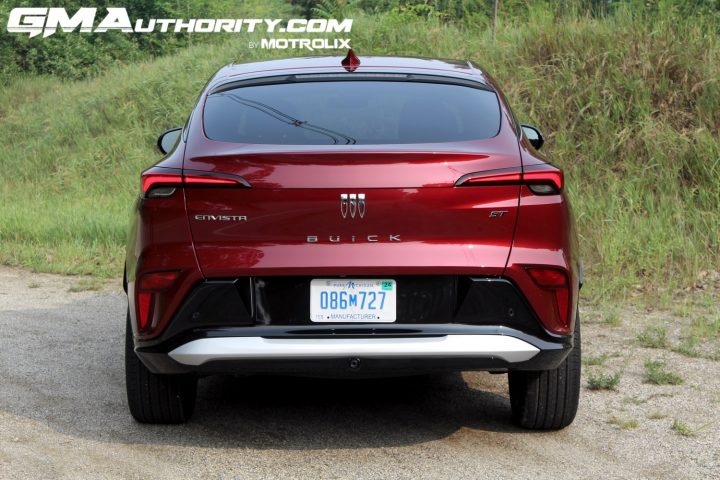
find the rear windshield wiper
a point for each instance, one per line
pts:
(285, 118)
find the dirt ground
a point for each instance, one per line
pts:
(63, 412)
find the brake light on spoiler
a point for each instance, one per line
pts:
(158, 182)
(542, 179)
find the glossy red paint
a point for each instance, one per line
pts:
(437, 230)
(417, 220)
(159, 240)
(544, 237)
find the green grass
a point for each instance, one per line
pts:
(684, 429)
(590, 360)
(689, 348)
(86, 284)
(706, 327)
(604, 381)
(623, 424)
(656, 373)
(700, 336)
(657, 415)
(653, 337)
(628, 104)
(612, 317)
(634, 400)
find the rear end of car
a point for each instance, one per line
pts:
(378, 222)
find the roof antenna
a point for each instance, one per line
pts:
(351, 62)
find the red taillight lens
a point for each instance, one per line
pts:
(505, 176)
(144, 309)
(543, 175)
(152, 180)
(548, 277)
(161, 181)
(542, 179)
(157, 281)
(557, 281)
(562, 296)
(207, 180)
(148, 285)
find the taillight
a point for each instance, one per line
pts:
(147, 287)
(542, 179)
(160, 182)
(503, 176)
(196, 179)
(548, 277)
(157, 281)
(144, 309)
(556, 280)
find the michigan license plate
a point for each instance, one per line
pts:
(352, 300)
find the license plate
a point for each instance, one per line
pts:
(353, 300)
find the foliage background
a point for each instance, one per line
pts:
(76, 56)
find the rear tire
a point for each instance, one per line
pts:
(154, 398)
(548, 399)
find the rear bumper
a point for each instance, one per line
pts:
(342, 351)
(445, 323)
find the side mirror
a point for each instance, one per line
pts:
(534, 136)
(168, 139)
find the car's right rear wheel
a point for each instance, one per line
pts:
(154, 398)
(548, 399)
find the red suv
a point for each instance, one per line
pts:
(351, 217)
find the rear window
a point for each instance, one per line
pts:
(352, 112)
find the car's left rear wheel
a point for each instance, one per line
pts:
(154, 398)
(548, 399)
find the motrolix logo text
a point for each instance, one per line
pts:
(303, 43)
(47, 21)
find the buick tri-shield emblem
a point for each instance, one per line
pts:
(352, 204)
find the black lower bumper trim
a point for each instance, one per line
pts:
(421, 301)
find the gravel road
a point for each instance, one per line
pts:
(63, 411)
